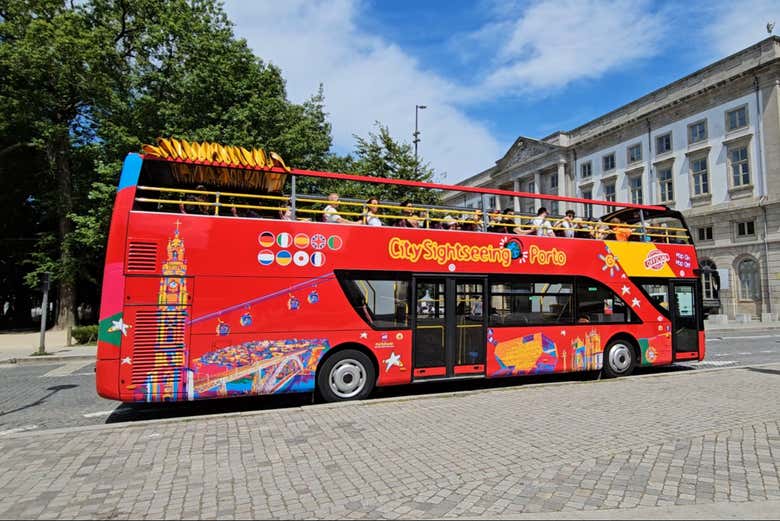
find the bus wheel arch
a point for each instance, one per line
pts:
(348, 371)
(621, 355)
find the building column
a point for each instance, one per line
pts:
(515, 199)
(537, 189)
(561, 185)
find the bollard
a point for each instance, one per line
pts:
(44, 311)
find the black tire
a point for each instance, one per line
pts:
(619, 359)
(348, 374)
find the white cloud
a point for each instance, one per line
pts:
(366, 79)
(737, 25)
(555, 42)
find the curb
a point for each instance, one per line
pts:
(33, 360)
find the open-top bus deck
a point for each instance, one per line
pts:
(208, 293)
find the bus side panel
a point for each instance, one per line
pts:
(250, 332)
(112, 329)
(515, 351)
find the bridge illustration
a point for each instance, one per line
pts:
(268, 376)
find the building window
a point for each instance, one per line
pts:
(635, 153)
(740, 168)
(697, 132)
(746, 229)
(588, 194)
(701, 181)
(736, 118)
(586, 170)
(666, 185)
(635, 186)
(609, 192)
(710, 282)
(663, 143)
(554, 181)
(748, 280)
(531, 187)
(705, 233)
(492, 201)
(608, 162)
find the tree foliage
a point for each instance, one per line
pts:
(84, 83)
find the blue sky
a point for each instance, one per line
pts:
(488, 71)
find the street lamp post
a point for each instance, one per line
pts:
(416, 133)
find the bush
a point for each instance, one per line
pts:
(85, 334)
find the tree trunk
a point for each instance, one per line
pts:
(66, 303)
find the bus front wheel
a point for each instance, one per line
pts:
(619, 359)
(346, 375)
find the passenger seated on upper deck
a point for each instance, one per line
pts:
(331, 214)
(581, 228)
(285, 211)
(410, 220)
(601, 231)
(622, 232)
(566, 226)
(540, 225)
(496, 221)
(370, 215)
(202, 209)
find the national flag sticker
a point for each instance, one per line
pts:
(317, 258)
(283, 258)
(318, 241)
(284, 240)
(301, 258)
(265, 257)
(266, 239)
(335, 243)
(301, 240)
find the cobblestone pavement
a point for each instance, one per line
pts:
(698, 437)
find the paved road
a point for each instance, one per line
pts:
(36, 397)
(650, 446)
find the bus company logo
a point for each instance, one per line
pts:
(284, 240)
(301, 240)
(335, 243)
(447, 252)
(317, 259)
(656, 260)
(266, 239)
(537, 255)
(283, 258)
(265, 257)
(318, 241)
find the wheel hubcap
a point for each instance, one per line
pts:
(619, 358)
(347, 378)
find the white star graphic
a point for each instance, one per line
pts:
(127, 361)
(563, 332)
(394, 360)
(625, 290)
(363, 335)
(119, 325)
(635, 303)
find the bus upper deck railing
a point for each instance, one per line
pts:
(309, 208)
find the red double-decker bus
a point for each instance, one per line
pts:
(222, 280)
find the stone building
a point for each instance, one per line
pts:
(707, 145)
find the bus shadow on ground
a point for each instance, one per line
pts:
(133, 412)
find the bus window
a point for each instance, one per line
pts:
(382, 302)
(530, 301)
(597, 304)
(658, 293)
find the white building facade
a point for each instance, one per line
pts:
(707, 145)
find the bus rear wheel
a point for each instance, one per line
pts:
(346, 375)
(619, 359)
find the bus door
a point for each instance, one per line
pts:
(449, 327)
(685, 319)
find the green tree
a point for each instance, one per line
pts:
(84, 84)
(379, 155)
